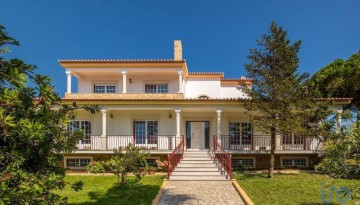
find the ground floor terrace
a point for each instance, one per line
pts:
(158, 129)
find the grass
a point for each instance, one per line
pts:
(103, 190)
(304, 188)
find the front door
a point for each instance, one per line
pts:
(197, 135)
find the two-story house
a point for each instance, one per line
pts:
(153, 103)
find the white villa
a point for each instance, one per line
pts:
(154, 103)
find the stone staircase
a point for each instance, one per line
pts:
(197, 166)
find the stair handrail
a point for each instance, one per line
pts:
(222, 156)
(175, 157)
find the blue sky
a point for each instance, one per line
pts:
(216, 34)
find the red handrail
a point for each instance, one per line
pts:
(175, 157)
(223, 157)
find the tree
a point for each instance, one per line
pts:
(33, 133)
(339, 79)
(280, 102)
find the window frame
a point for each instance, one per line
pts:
(293, 162)
(76, 157)
(149, 139)
(239, 139)
(87, 137)
(241, 159)
(157, 89)
(105, 85)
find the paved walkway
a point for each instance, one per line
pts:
(200, 192)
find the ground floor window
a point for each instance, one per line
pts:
(146, 131)
(151, 162)
(84, 125)
(240, 132)
(294, 162)
(242, 163)
(77, 162)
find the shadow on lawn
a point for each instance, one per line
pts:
(129, 193)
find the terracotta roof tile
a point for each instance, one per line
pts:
(206, 73)
(121, 61)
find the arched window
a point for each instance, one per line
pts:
(203, 97)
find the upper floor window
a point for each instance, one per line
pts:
(101, 88)
(156, 88)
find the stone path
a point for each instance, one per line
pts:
(200, 192)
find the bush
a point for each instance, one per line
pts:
(162, 166)
(96, 167)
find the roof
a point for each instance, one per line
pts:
(122, 61)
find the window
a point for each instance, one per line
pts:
(156, 88)
(77, 162)
(151, 162)
(203, 97)
(98, 88)
(289, 140)
(294, 162)
(240, 132)
(146, 131)
(83, 125)
(245, 162)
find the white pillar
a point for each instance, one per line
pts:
(338, 121)
(180, 81)
(103, 123)
(68, 88)
(218, 112)
(177, 122)
(124, 81)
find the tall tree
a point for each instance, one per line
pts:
(33, 133)
(339, 79)
(280, 103)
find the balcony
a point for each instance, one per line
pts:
(109, 143)
(261, 143)
(123, 96)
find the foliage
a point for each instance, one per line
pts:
(33, 133)
(341, 153)
(96, 167)
(339, 79)
(280, 102)
(163, 166)
(101, 190)
(303, 188)
(130, 160)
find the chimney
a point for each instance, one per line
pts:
(177, 50)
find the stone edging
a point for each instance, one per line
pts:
(242, 194)
(159, 194)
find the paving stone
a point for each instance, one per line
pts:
(200, 192)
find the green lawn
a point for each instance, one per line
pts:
(301, 188)
(100, 190)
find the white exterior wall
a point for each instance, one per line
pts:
(195, 87)
(86, 85)
(232, 92)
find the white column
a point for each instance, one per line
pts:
(124, 81)
(218, 112)
(103, 123)
(338, 121)
(68, 88)
(180, 81)
(177, 122)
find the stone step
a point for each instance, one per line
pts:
(196, 165)
(200, 178)
(198, 169)
(197, 173)
(208, 161)
(196, 158)
(196, 155)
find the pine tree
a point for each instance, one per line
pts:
(280, 102)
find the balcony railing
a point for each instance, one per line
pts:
(111, 142)
(262, 143)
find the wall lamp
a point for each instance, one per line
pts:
(130, 81)
(170, 115)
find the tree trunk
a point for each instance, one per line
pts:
(272, 152)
